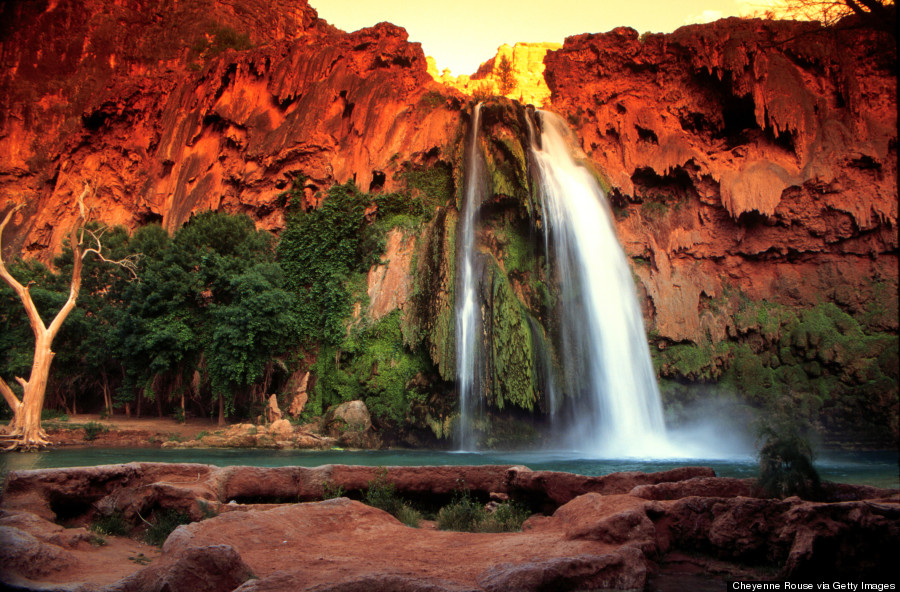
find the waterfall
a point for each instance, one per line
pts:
(613, 403)
(600, 388)
(468, 309)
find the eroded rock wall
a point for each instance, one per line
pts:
(164, 117)
(759, 154)
(752, 167)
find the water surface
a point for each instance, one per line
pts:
(864, 468)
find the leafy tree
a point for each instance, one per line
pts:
(257, 321)
(320, 251)
(211, 298)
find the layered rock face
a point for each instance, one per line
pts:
(163, 117)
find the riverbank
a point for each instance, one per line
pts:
(96, 431)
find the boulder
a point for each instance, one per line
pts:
(354, 414)
(25, 555)
(300, 396)
(273, 412)
(212, 568)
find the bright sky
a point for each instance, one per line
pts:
(461, 34)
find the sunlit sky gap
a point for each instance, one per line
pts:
(461, 35)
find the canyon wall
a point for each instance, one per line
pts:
(167, 109)
(751, 166)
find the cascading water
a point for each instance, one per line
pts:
(468, 311)
(613, 403)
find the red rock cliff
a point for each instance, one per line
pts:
(755, 155)
(150, 103)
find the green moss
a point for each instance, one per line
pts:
(654, 210)
(512, 350)
(881, 308)
(433, 186)
(765, 318)
(749, 376)
(702, 362)
(429, 320)
(517, 251)
(370, 364)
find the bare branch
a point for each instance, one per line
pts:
(74, 286)
(128, 263)
(10, 396)
(22, 381)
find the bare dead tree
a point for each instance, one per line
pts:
(26, 423)
(877, 14)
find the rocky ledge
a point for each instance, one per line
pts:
(268, 529)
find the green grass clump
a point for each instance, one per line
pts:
(331, 491)
(163, 524)
(381, 495)
(465, 514)
(409, 516)
(92, 429)
(112, 525)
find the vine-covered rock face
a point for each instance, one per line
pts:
(753, 173)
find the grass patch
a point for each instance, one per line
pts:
(112, 525)
(465, 514)
(53, 415)
(92, 429)
(164, 522)
(381, 495)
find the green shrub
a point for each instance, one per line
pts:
(381, 495)
(409, 516)
(92, 429)
(112, 525)
(331, 491)
(465, 514)
(506, 517)
(786, 459)
(164, 522)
